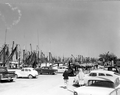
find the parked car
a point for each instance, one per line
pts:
(46, 70)
(27, 72)
(6, 75)
(97, 73)
(100, 86)
(61, 69)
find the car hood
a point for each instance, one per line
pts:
(93, 90)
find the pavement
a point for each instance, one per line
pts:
(57, 89)
(60, 90)
(43, 85)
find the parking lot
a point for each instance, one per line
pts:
(42, 85)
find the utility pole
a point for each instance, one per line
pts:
(38, 46)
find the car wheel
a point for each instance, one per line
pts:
(30, 76)
(36, 77)
(11, 80)
(40, 73)
(16, 76)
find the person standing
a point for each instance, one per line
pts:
(81, 76)
(65, 77)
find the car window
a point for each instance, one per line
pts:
(101, 74)
(29, 70)
(92, 74)
(108, 75)
(26, 69)
(101, 83)
(22, 70)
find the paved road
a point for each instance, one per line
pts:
(43, 85)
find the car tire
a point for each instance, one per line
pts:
(40, 73)
(53, 73)
(30, 76)
(11, 80)
(36, 77)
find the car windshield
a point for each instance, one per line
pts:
(101, 83)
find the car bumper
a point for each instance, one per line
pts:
(9, 79)
(35, 75)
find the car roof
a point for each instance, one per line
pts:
(102, 71)
(105, 78)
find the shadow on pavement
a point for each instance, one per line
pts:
(66, 88)
(70, 90)
(63, 87)
(6, 81)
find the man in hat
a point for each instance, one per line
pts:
(65, 77)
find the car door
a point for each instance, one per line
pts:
(60, 69)
(44, 70)
(101, 74)
(26, 73)
(48, 70)
(22, 73)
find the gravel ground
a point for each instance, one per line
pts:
(43, 85)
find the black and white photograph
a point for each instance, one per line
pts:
(59, 47)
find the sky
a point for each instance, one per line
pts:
(63, 28)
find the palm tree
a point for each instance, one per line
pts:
(107, 57)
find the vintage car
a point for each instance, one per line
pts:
(6, 75)
(46, 70)
(95, 73)
(61, 69)
(26, 72)
(100, 86)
